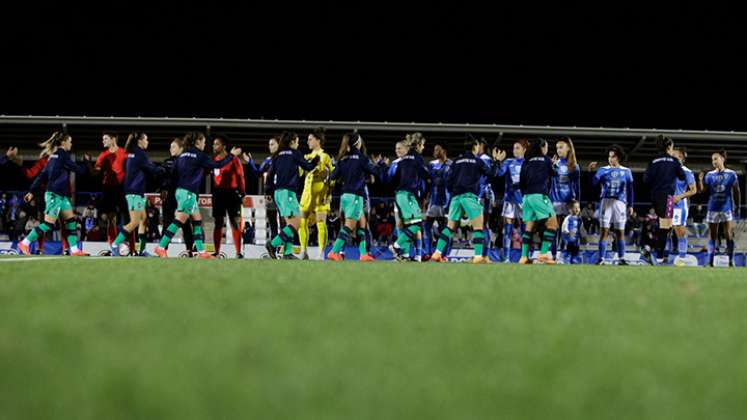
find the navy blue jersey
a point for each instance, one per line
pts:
(3, 159)
(535, 176)
(353, 170)
(465, 173)
(57, 173)
(136, 165)
(662, 173)
(284, 173)
(191, 165)
(410, 173)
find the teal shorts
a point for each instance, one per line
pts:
(287, 203)
(408, 207)
(461, 204)
(536, 207)
(54, 204)
(186, 201)
(352, 206)
(135, 202)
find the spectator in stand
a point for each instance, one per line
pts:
(590, 222)
(31, 223)
(154, 218)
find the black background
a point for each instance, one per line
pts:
(678, 67)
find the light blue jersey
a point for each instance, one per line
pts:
(719, 185)
(565, 184)
(511, 168)
(617, 183)
(680, 186)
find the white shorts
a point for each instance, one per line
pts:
(613, 213)
(719, 216)
(679, 216)
(561, 209)
(436, 211)
(511, 210)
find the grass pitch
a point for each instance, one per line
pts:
(181, 339)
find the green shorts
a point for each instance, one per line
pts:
(135, 202)
(409, 209)
(536, 207)
(352, 206)
(186, 201)
(54, 204)
(464, 203)
(287, 203)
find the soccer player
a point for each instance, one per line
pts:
(438, 196)
(136, 166)
(683, 190)
(534, 182)
(565, 187)
(409, 170)
(660, 175)
(463, 183)
(353, 169)
(111, 163)
(724, 200)
(190, 167)
(284, 177)
(616, 201)
(57, 197)
(270, 206)
(571, 231)
(511, 169)
(168, 195)
(486, 197)
(316, 196)
(229, 189)
(30, 174)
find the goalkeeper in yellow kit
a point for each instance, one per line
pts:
(316, 196)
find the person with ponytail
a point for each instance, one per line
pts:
(316, 196)
(283, 178)
(169, 183)
(463, 184)
(536, 208)
(190, 170)
(136, 166)
(565, 187)
(683, 190)
(58, 192)
(661, 174)
(30, 173)
(353, 169)
(722, 184)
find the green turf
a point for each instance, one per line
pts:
(183, 339)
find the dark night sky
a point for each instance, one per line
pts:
(447, 62)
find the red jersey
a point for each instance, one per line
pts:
(35, 169)
(112, 165)
(230, 177)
